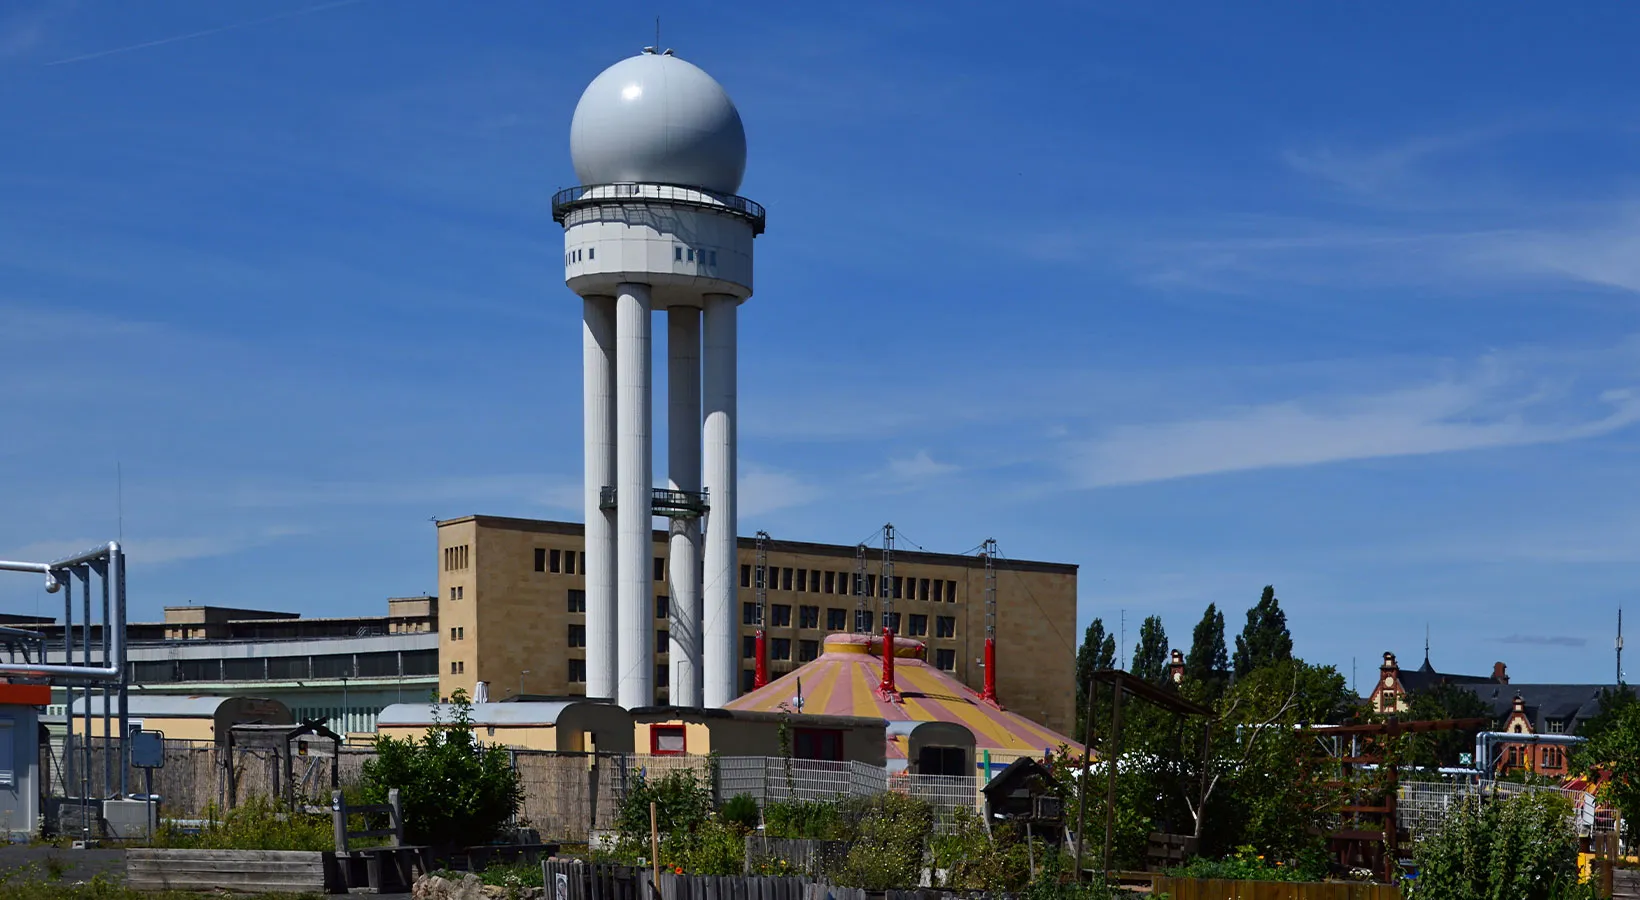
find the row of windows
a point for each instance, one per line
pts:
(780, 616)
(382, 664)
(578, 603)
(457, 591)
(455, 558)
(685, 254)
(567, 562)
(574, 256)
(819, 581)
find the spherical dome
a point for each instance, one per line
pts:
(656, 118)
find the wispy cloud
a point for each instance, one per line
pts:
(157, 550)
(764, 490)
(919, 466)
(1543, 640)
(1443, 417)
(204, 32)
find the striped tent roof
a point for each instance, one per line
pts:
(843, 682)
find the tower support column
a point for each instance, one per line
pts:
(635, 658)
(720, 659)
(683, 435)
(598, 419)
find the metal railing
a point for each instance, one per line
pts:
(664, 502)
(588, 195)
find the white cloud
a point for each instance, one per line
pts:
(764, 490)
(921, 465)
(1444, 417)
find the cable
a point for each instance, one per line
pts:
(1045, 617)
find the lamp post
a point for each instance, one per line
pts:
(521, 683)
(344, 705)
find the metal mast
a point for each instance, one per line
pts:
(760, 673)
(885, 581)
(990, 552)
(1620, 646)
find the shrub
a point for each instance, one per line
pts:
(797, 819)
(888, 852)
(1522, 848)
(1247, 864)
(976, 860)
(453, 791)
(692, 839)
(257, 824)
(741, 810)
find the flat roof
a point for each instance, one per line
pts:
(839, 551)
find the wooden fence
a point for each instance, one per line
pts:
(576, 880)
(1224, 889)
(812, 858)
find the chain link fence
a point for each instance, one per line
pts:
(1422, 806)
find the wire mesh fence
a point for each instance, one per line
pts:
(1422, 806)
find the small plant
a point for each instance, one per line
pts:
(1247, 864)
(797, 819)
(888, 852)
(259, 823)
(741, 810)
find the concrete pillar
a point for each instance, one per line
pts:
(683, 429)
(635, 657)
(598, 401)
(720, 656)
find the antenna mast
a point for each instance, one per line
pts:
(760, 672)
(990, 552)
(886, 688)
(1620, 646)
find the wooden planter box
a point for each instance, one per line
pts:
(245, 871)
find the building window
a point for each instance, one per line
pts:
(577, 635)
(945, 626)
(748, 614)
(582, 556)
(662, 605)
(663, 675)
(950, 592)
(946, 660)
(569, 562)
(540, 559)
(577, 671)
(1556, 726)
(660, 568)
(786, 579)
(689, 254)
(871, 585)
(662, 641)
(745, 576)
(458, 633)
(939, 591)
(831, 583)
(748, 678)
(577, 601)
(808, 617)
(891, 621)
(899, 582)
(458, 667)
(1386, 701)
(781, 648)
(814, 581)
(455, 558)
(592, 253)
(748, 647)
(836, 619)
(555, 561)
(677, 254)
(714, 257)
(803, 580)
(919, 625)
(922, 590)
(807, 650)
(818, 743)
(863, 620)
(782, 615)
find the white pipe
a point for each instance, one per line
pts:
(634, 453)
(721, 662)
(113, 668)
(598, 395)
(683, 472)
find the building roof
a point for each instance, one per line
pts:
(1569, 704)
(838, 551)
(425, 715)
(166, 706)
(844, 679)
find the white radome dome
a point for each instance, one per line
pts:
(658, 119)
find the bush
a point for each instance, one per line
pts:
(453, 791)
(257, 824)
(1247, 864)
(888, 851)
(692, 839)
(798, 820)
(741, 810)
(979, 861)
(1522, 848)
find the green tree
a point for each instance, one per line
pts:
(1098, 651)
(1208, 659)
(1613, 750)
(1150, 655)
(1432, 749)
(454, 792)
(1265, 641)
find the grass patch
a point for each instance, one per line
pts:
(35, 882)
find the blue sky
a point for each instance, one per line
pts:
(1198, 297)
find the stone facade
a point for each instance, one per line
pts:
(512, 612)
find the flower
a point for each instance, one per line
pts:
(677, 870)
